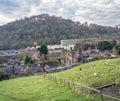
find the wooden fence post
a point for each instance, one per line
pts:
(101, 95)
(60, 80)
(64, 82)
(55, 79)
(44, 75)
(73, 85)
(68, 84)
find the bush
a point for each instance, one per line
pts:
(26, 73)
(117, 48)
(29, 60)
(3, 76)
(12, 76)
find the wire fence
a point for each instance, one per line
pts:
(90, 93)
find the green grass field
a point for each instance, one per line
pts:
(107, 71)
(39, 88)
(36, 88)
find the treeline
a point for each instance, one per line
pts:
(49, 30)
(101, 45)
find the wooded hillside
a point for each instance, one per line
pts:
(50, 30)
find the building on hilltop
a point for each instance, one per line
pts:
(69, 42)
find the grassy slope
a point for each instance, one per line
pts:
(36, 88)
(105, 73)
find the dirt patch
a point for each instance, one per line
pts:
(113, 91)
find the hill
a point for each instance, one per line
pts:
(39, 88)
(50, 30)
(94, 74)
(36, 88)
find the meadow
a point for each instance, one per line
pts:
(36, 88)
(39, 88)
(94, 73)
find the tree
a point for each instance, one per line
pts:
(43, 50)
(87, 46)
(114, 42)
(29, 60)
(13, 70)
(77, 46)
(59, 61)
(117, 48)
(104, 45)
(84, 46)
(3, 76)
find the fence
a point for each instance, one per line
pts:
(90, 93)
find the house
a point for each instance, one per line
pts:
(55, 48)
(33, 52)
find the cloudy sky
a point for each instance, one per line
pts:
(104, 12)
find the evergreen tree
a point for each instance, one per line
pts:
(117, 48)
(29, 60)
(43, 50)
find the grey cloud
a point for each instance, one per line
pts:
(105, 12)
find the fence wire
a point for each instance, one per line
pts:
(88, 92)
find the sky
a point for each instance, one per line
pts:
(103, 12)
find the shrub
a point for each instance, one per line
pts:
(29, 60)
(26, 72)
(12, 76)
(3, 76)
(117, 48)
